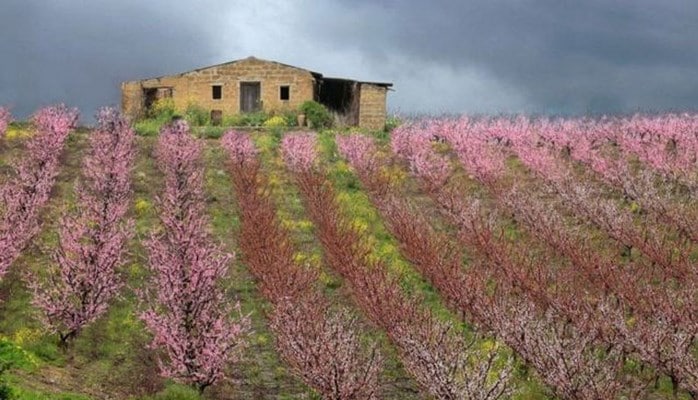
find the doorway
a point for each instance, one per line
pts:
(153, 95)
(341, 96)
(250, 97)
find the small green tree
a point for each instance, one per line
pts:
(317, 114)
(162, 109)
(196, 115)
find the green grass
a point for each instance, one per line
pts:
(201, 125)
(262, 370)
(148, 127)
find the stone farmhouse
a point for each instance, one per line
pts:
(252, 84)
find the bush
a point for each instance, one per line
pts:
(233, 120)
(275, 122)
(291, 117)
(13, 356)
(276, 133)
(317, 115)
(197, 115)
(18, 131)
(162, 109)
(392, 122)
(254, 119)
(247, 119)
(148, 127)
(211, 132)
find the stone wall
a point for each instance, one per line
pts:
(132, 101)
(372, 109)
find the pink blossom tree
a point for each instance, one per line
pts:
(5, 120)
(663, 322)
(583, 196)
(93, 240)
(437, 357)
(187, 311)
(28, 191)
(414, 143)
(516, 295)
(322, 346)
(299, 150)
(667, 143)
(361, 152)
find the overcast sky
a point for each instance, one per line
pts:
(469, 56)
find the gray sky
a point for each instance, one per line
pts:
(546, 56)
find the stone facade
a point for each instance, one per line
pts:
(372, 110)
(132, 101)
(281, 87)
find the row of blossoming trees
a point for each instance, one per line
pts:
(595, 303)
(26, 193)
(320, 344)
(580, 239)
(184, 305)
(187, 311)
(439, 358)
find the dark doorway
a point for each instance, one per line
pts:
(154, 94)
(342, 97)
(250, 97)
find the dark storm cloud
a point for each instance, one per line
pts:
(78, 52)
(452, 56)
(560, 56)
